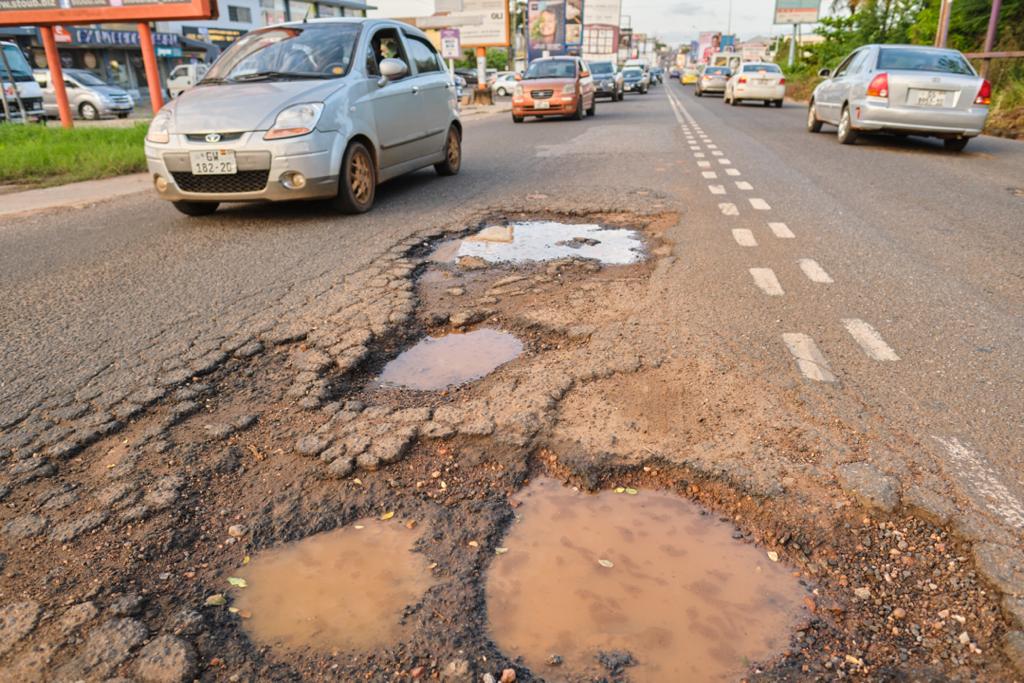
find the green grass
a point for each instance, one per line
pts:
(39, 155)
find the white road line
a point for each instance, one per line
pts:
(704, 164)
(732, 171)
(759, 204)
(718, 153)
(698, 155)
(808, 358)
(869, 339)
(710, 175)
(724, 162)
(744, 238)
(781, 231)
(695, 148)
(977, 473)
(728, 209)
(766, 280)
(744, 185)
(712, 146)
(717, 189)
(814, 272)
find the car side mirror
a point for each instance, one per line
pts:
(392, 69)
(519, 77)
(825, 73)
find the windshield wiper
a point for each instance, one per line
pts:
(267, 75)
(210, 81)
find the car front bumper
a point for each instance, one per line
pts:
(558, 105)
(602, 90)
(869, 116)
(759, 92)
(261, 166)
(115, 108)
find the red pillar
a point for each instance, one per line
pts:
(156, 95)
(56, 74)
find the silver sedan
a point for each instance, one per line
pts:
(905, 90)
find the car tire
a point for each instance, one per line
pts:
(122, 116)
(698, 92)
(733, 101)
(88, 111)
(452, 154)
(767, 103)
(517, 119)
(778, 104)
(845, 132)
(813, 124)
(580, 113)
(593, 107)
(357, 184)
(196, 208)
(955, 144)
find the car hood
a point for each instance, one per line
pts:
(633, 77)
(240, 107)
(546, 83)
(109, 90)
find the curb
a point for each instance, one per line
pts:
(73, 195)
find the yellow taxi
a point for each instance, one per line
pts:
(689, 76)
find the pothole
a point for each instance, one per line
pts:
(533, 241)
(638, 579)
(439, 362)
(341, 590)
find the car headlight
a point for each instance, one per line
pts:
(160, 127)
(299, 119)
(519, 91)
(569, 89)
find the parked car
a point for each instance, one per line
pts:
(469, 74)
(657, 75)
(19, 80)
(690, 76)
(608, 81)
(317, 109)
(505, 84)
(89, 96)
(184, 76)
(555, 86)
(902, 89)
(635, 79)
(756, 81)
(712, 79)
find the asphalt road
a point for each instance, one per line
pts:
(921, 245)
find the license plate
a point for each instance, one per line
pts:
(628, 87)
(213, 162)
(542, 105)
(928, 98)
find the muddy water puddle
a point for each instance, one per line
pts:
(546, 241)
(341, 590)
(439, 362)
(643, 573)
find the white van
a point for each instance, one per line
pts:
(184, 76)
(28, 90)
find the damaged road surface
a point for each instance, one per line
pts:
(454, 440)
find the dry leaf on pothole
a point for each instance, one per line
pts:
(620, 489)
(631, 492)
(359, 526)
(474, 544)
(216, 600)
(773, 556)
(432, 565)
(245, 560)
(237, 582)
(411, 524)
(233, 610)
(245, 614)
(386, 516)
(357, 482)
(500, 551)
(607, 564)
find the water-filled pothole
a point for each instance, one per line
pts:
(439, 362)
(583, 576)
(345, 589)
(547, 241)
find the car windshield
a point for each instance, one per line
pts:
(754, 68)
(554, 68)
(910, 59)
(601, 68)
(632, 73)
(20, 69)
(288, 52)
(85, 77)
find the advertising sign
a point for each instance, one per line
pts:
(18, 12)
(546, 27)
(797, 11)
(710, 42)
(603, 12)
(451, 43)
(492, 29)
(221, 37)
(574, 22)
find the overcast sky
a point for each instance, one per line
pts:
(673, 21)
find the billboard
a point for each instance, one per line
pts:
(44, 12)
(546, 27)
(573, 23)
(601, 28)
(797, 11)
(708, 43)
(492, 31)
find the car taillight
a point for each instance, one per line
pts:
(879, 86)
(782, 81)
(743, 79)
(984, 94)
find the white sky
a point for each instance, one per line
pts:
(674, 21)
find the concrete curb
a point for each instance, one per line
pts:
(73, 195)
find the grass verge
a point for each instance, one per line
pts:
(42, 156)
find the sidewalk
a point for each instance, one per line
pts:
(73, 195)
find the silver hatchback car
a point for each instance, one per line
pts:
(323, 109)
(902, 89)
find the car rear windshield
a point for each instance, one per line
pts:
(601, 68)
(770, 68)
(553, 68)
(717, 71)
(911, 59)
(308, 51)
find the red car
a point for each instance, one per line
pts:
(555, 86)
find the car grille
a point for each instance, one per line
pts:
(243, 181)
(121, 99)
(224, 137)
(542, 94)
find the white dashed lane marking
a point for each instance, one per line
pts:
(814, 272)
(759, 204)
(744, 238)
(766, 280)
(870, 340)
(728, 209)
(973, 469)
(717, 153)
(724, 162)
(699, 155)
(704, 164)
(695, 148)
(744, 185)
(781, 230)
(808, 358)
(710, 175)
(717, 189)
(732, 171)
(712, 146)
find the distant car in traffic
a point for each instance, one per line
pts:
(635, 79)
(17, 83)
(689, 76)
(657, 75)
(555, 86)
(904, 90)
(317, 109)
(712, 79)
(674, 73)
(608, 82)
(762, 81)
(504, 84)
(89, 96)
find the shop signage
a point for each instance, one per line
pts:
(99, 36)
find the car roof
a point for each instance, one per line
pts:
(368, 22)
(554, 58)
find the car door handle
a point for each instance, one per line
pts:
(415, 89)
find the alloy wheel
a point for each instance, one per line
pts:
(360, 176)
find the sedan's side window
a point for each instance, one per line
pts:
(844, 68)
(857, 65)
(423, 54)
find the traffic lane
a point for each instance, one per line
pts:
(959, 371)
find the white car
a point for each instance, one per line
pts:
(756, 81)
(504, 85)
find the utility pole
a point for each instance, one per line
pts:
(792, 48)
(728, 29)
(990, 35)
(945, 12)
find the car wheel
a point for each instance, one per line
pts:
(813, 124)
(698, 92)
(122, 116)
(580, 113)
(767, 103)
(517, 119)
(955, 144)
(88, 111)
(733, 101)
(593, 107)
(846, 134)
(357, 185)
(196, 208)
(452, 154)
(778, 104)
